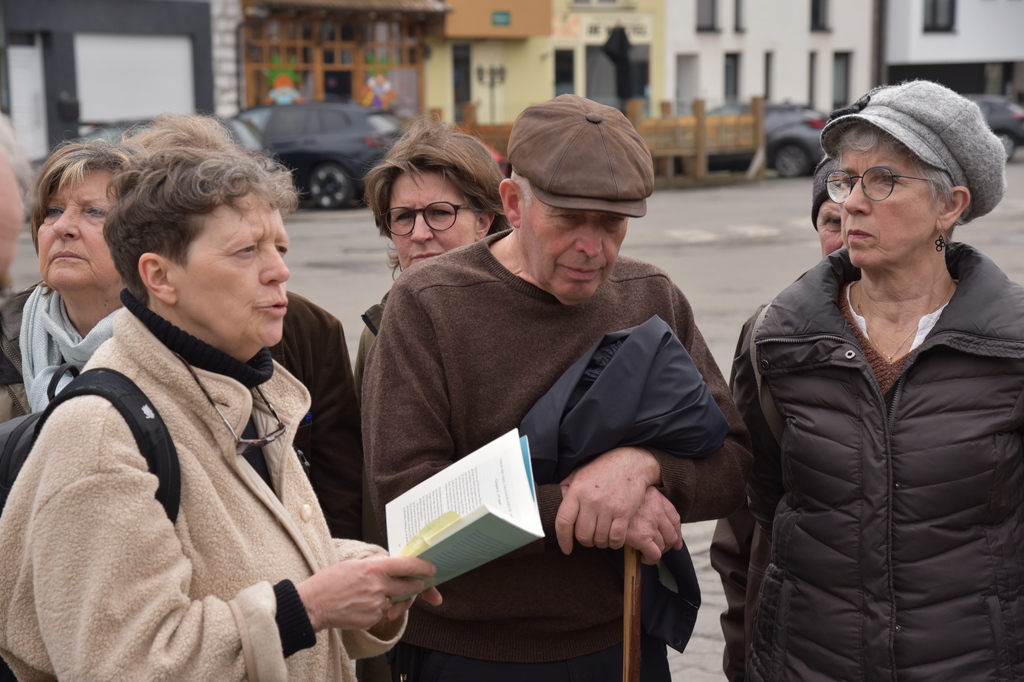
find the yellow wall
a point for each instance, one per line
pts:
(475, 18)
(437, 74)
(529, 76)
(529, 62)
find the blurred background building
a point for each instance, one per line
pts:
(65, 64)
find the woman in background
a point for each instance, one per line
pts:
(436, 190)
(69, 313)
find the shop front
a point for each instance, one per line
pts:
(364, 51)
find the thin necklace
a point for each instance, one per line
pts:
(889, 357)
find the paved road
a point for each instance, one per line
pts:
(729, 248)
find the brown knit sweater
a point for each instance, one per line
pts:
(886, 372)
(465, 349)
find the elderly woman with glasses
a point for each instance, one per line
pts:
(96, 581)
(883, 391)
(436, 190)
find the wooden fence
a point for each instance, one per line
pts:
(675, 141)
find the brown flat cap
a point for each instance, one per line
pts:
(581, 155)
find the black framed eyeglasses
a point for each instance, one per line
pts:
(439, 216)
(877, 183)
(241, 444)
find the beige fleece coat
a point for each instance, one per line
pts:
(95, 581)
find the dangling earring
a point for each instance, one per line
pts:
(940, 243)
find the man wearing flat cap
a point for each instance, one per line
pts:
(471, 340)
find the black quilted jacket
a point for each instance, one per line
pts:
(897, 521)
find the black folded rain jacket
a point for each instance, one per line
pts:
(634, 387)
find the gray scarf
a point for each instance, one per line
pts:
(48, 339)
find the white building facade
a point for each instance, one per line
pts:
(816, 52)
(971, 46)
(226, 17)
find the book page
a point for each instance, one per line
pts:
(496, 476)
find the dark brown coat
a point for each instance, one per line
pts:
(313, 349)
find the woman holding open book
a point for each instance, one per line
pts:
(242, 581)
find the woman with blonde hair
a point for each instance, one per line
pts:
(69, 314)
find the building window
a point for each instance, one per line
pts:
(565, 72)
(738, 25)
(706, 15)
(819, 15)
(732, 77)
(768, 59)
(840, 79)
(334, 57)
(939, 15)
(812, 67)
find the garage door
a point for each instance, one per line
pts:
(133, 77)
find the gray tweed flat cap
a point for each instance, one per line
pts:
(939, 127)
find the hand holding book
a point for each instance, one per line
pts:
(474, 511)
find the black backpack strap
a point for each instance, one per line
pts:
(771, 413)
(151, 435)
(66, 368)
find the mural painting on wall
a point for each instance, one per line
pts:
(378, 91)
(283, 90)
(565, 26)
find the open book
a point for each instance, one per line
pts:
(479, 508)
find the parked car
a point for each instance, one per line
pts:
(329, 145)
(244, 135)
(1005, 118)
(792, 135)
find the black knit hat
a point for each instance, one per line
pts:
(818, 194)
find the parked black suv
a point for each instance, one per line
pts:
(792, 136)
(1005, 118)
(329, 145)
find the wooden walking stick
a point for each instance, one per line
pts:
(631, 615)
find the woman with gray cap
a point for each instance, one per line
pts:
(891, 486)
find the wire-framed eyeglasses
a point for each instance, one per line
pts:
(877, 183)
(241, 444)
(439, 216)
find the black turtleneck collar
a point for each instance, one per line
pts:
(199, 353)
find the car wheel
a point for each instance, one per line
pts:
(792, 161)
(330, 186)
(1009, 144)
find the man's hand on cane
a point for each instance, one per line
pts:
(611, 501)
